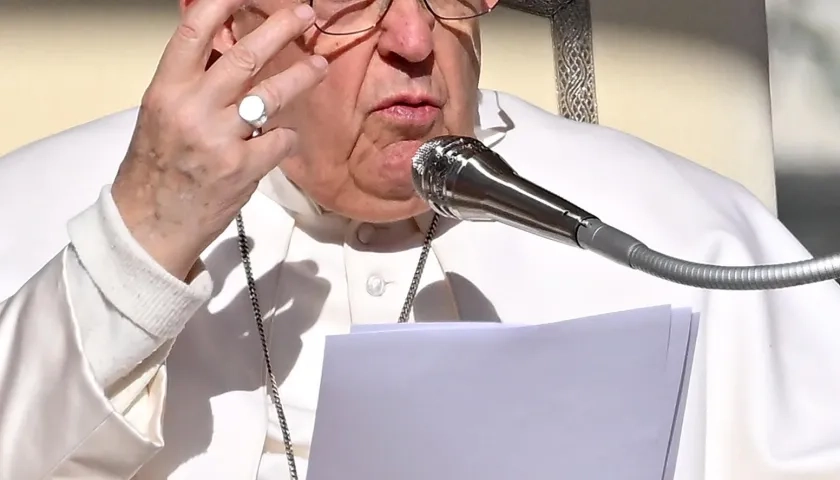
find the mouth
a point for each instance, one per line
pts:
(410, 110)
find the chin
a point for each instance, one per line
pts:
(387, 196)
(395, 163)
(397, 186)
(386, 181)
(389, 176)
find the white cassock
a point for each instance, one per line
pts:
(764, 398)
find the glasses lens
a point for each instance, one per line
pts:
(341, 17)
(457, 9)
(347, 16)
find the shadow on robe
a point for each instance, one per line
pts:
(232, 333)
(471, 303)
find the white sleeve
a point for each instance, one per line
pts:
(126, 304)
(82, 346)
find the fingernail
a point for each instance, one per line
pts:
(304, 12)
(318, 61)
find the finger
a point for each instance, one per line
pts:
(188, 50)
(224, 81)
(279, 90)
(268, 151)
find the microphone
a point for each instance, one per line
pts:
(461, 178)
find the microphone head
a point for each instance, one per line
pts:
(439, 162)
(461, 178)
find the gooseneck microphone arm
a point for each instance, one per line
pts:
(626, 250)
(462, 178)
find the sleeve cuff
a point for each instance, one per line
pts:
(128, 277)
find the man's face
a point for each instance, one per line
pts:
(386, 91)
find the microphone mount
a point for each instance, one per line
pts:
(461, 178)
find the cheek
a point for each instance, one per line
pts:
(458, 61)
(336, 98)
(463, 52)
(329, 111)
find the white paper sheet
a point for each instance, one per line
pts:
(593, 398)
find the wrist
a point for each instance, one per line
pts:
(124, 273)
(170, 246)
(168, 251)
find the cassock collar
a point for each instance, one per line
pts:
(490, 129)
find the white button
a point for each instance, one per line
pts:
(375, 286)
(365, 233)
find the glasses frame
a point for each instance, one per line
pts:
(388, 8)
(571, 36)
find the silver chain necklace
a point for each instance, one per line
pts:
(244, 253)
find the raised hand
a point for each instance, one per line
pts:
(192, 162)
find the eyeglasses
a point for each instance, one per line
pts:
(347, 17)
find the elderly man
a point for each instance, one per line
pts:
(264, 201)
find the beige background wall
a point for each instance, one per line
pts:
(49, 53)
(691, 76)
(669, 71)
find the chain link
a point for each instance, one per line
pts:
(244, 253)
(418, 272)
(244, 250)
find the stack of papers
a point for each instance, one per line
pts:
(591, 398)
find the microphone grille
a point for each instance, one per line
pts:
(435, 162)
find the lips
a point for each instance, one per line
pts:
(408, 100)
(416, 110)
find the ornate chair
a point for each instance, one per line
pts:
(689, 76)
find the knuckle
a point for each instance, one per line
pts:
(192, 136)
(230, 161)
(292, 24)
(186, 119)
(243, 58)
(308, 72)
(186, 31)
(284, 142)
(156, 98)
(187, 124)
(273, 95)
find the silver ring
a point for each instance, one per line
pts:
(253, 111)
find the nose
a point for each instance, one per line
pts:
(407, 31)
